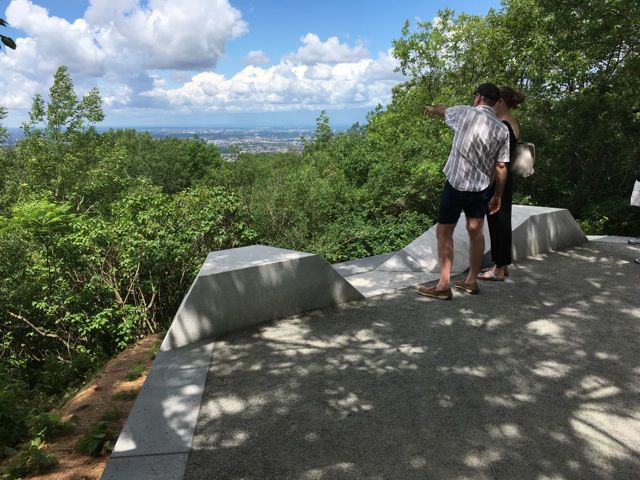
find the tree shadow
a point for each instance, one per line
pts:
(536, 378)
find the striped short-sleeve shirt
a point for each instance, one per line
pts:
(480, 140)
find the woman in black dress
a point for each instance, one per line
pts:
(500, 222)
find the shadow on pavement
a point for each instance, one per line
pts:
(535, 378)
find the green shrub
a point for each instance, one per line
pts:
(14, 409)
(29, 459)
(357, 236)
(610, 216)
(56, 377)
(48, 426)
(101, 437)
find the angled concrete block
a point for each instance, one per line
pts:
(246, 286)
(538, 230)
(362, 265)
(421, 255)
(379, 282)
(535, 230)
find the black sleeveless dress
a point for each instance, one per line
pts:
(500, 222)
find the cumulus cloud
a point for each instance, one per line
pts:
(120, 39)
(288, 86)
(52, 39)
(256, 57)
(187, 35)
(144, 54)
(313, 51)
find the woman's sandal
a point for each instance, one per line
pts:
(490, 276)
(490, 269)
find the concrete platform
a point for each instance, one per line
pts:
(157, 437)
(538, 377)
(246, 286)
(535, 230)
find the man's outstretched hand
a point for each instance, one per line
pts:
(435, 110)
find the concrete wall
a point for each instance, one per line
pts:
(536, 230)
(246, 286)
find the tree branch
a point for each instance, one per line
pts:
(39, 330)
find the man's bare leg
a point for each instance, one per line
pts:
(475, 228)
(444, 235)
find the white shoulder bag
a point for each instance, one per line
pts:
(523, 159)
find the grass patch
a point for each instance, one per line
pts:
(101, 437)
(136, 372)
(155, 348)
(49, 426)
(125, 395)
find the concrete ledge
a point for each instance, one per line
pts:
(171, 391)
(363, 265)
(535, 230)
(157, 449)
(609, 239)
(246, 286)
(155, 467)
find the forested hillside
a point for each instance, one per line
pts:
(102, 234)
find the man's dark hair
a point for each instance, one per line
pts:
(489, 91)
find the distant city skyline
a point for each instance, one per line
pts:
(229, 141)
(243, 63)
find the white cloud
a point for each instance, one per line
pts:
(52, 39)
(143, 55)
(187, 35)
(314, 51)
(288, 86)
(256, 57)
(119, 40)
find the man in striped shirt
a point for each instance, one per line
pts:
(478, 155)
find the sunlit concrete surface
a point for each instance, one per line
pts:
(245, 286)
(537, 377)
(156, 438)
(536, 230)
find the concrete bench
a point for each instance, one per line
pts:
(536, 230)
(245, 286)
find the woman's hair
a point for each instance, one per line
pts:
(511, 97)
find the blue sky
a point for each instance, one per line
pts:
(213, 62)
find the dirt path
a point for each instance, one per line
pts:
(91, 403)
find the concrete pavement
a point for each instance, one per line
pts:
(536, 378)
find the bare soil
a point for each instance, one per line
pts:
(94, 400)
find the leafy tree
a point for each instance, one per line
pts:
(7, 165)
(3, 129)
(52, 156)
(7, 41)
(578, 64)
(64, 115)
